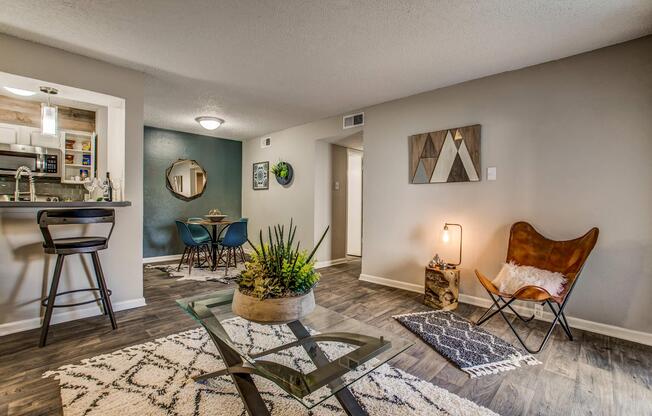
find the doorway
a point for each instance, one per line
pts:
(338, 198)
(354, 203)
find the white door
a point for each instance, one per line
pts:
(354, 203)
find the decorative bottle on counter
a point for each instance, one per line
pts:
(108, 192)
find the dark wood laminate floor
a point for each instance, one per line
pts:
(594, 375)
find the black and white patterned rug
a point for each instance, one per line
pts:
(155, 379)
(200, 274)
(471, 348)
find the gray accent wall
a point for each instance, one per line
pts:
(222, 160)
(572, 142)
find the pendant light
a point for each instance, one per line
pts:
(49, 122)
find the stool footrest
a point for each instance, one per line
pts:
(44, 302)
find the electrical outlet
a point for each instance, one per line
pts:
(538, 311)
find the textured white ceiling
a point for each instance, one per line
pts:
(266, 65)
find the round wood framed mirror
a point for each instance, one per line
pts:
(186, 179)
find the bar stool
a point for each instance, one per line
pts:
(76, 245)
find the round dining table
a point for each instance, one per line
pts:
(217, 228)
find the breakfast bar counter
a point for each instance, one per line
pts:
(27, 271)
(63, 204)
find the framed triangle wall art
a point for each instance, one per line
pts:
(451, 155)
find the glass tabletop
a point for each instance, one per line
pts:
(311, 360)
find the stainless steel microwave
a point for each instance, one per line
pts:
(42, 161)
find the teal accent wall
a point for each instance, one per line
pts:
(222, 160)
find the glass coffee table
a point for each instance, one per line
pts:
(312, 359)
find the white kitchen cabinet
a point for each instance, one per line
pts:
(44, 140)
(26, 135)
(8, 134)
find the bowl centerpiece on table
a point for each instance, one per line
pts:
(277, 284)
(215, 215)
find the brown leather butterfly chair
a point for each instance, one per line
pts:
(529, 248)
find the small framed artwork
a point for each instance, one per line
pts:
(261, 176)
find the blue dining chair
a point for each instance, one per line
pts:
(197, 244)
(220, 237)
(199, 231)
(231, 244)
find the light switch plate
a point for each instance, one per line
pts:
(491, 173)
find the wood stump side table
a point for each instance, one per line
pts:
(442, 288)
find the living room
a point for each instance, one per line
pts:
(493, 259)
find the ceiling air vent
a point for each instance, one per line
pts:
(353, 120)
(265, 142)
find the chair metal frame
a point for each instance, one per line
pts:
(559, 318)
(47, 218)
(535, 294)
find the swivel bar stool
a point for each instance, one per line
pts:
(76, 245)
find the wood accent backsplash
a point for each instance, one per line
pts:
(28, 113)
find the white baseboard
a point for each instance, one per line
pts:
(327, 263)
(583, 324)
(158, 259)
(24, 325)
(175, 257)
(392, 283)
(579, 323)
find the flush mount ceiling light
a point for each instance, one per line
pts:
(209, 123)
(18, 91)
(49, 113)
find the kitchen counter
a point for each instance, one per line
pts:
(62, 204)
(26, 270)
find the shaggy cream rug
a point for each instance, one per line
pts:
(155, 379)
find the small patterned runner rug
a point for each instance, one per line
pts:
(474, 350)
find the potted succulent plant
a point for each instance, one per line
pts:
(277, 283)
(283, 172)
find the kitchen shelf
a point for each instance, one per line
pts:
(86, 152)
(72, 170)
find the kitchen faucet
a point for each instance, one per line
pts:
(32, 193)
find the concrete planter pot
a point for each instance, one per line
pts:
(272, 311)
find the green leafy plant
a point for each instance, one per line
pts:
(278, 268)
(281, 170)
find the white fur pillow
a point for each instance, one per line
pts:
(512, 277)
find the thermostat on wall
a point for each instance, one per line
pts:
(265, 142)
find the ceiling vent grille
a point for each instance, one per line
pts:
(353, 120)
(265, 142)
